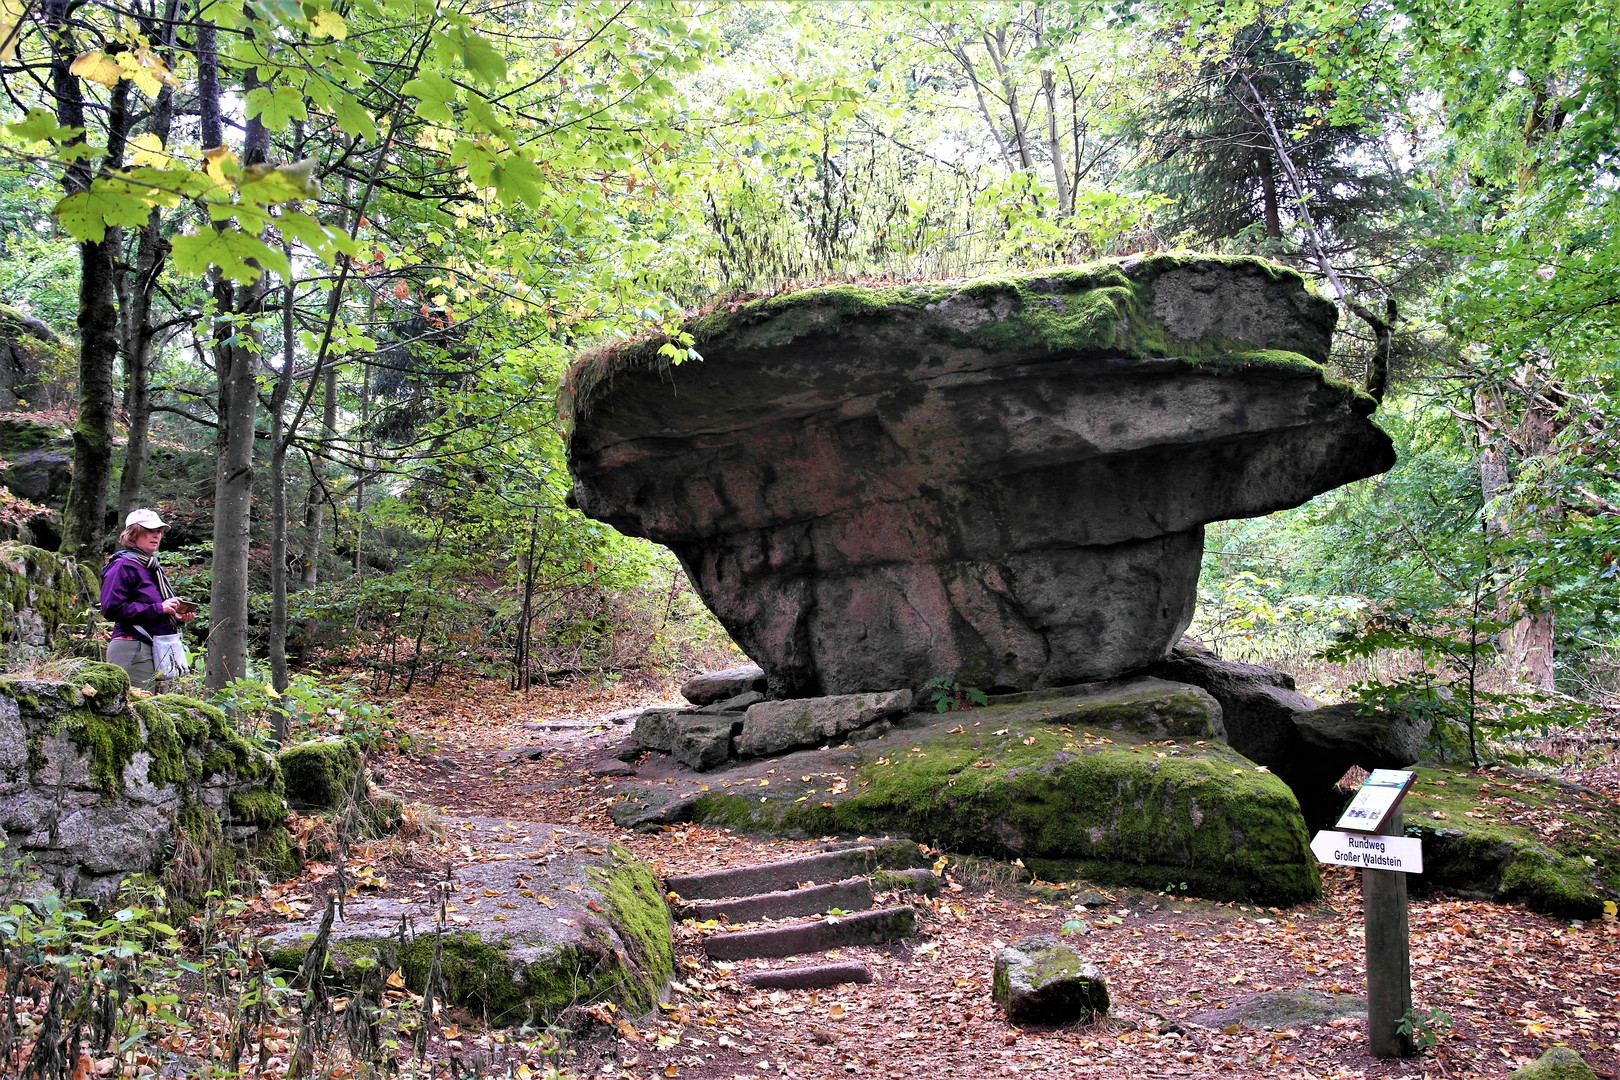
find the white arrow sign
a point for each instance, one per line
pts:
(1400, 853)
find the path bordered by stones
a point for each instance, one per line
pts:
(1515, 982)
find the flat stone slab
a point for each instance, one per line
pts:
(862, 928)
(716, 686)
(809, 976)
(852, 895)
(771, 727)
(1277, 1009)
(821, 868)
(544, 917)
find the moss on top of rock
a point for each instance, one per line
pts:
(1513, 836)
(1104, 308)
(1558, 1063)
(321, 775)
(1061, 782)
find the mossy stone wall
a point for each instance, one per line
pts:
(96, 787)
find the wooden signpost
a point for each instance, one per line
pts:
(1371, 836)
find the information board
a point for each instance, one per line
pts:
(1379, 795)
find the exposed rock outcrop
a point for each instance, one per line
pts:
(32, 362)
(583, 923)
(1309, 746)
(39, 459)
(1002, 482)
(46, 600)
(1121, 782)
(96, 787)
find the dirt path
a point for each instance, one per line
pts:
(1513, 982)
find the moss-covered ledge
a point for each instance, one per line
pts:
(577, 921)
(1124, 782)
(97, 786)
(1516, 836)
(1111, 307)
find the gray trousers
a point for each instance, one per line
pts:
(135, 657)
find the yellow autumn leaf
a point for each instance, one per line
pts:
(147, 149)
(396, 981)
(221, 165)
(11, 16)
(97, 67)
(1609, 910)
(328, 24)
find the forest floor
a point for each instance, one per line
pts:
(1512, 982)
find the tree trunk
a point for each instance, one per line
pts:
(85, 515)
(995, 45)
(1059, 181)
(360, 480)
(1268, 194)
(237, 362)
(1527, 643)
(279, 444)
(315, 505)
(84, 520)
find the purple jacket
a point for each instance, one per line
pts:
(130, 598)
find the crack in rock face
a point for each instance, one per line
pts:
(1002, 482)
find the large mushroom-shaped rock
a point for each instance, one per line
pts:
(1003, 482)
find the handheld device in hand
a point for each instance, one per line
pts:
(185, 607)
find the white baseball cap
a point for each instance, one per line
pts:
(146, 519)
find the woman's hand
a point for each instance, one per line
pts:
(171, 607)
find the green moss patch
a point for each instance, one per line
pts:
(1512, 836)
(323, 775)
(1048, 782)
(602, 932)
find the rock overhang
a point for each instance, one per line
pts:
(998, 451)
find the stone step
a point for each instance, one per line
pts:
(809, 976)
(787, 874)
(862, 928)
(854, 894)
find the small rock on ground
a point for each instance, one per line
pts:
(1040, 980)
(1558, 1063)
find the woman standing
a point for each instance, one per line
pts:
(144, 611)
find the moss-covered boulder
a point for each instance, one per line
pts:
(1515, 836)
(46, 600)
(35, 366)
(1124, 782)
(1002, 482)
(329, 777)
(542, 918)
(1040, 980)
(1558, 1063)
(96, 787)
(322, 775)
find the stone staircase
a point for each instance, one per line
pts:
(846, 878)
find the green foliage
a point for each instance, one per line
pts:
(312, 707)
(1424, 1029)
(948, 695)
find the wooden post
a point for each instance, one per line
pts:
(1389, 954)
